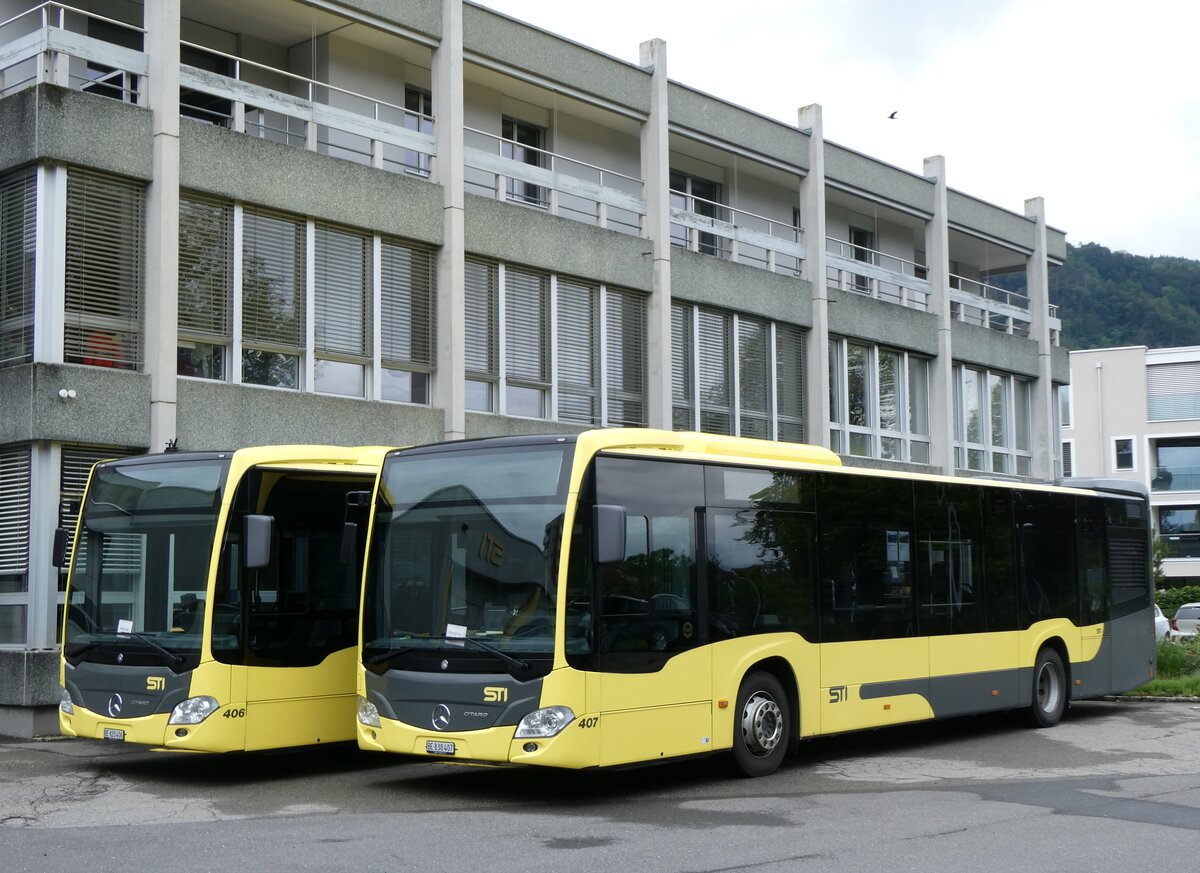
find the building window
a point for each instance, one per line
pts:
(407, 313)
(482, 322)
(862, 249)
(1123, 457)
(14, 542)
(18, 238)
(103, 271)
(342, 286)
(1179, 528)
(1064, 405)
(273, 294)
(205, 287)
(879, 402)
(525, 143)
(525, 310)
(734, 374)
(419, 117)
(1068, 458)
(593, 373)
(1176, 465)
(992, 422)
(699, 197)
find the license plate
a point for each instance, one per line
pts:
(114, 734)
(437, 747)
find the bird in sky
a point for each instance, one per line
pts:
(893, 115)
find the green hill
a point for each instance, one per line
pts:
(1108, 298)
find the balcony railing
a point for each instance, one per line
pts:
(49, 44)
(518, 173)
(740, 236)
(1182, 545)
(308, 113)
(1176, 479)
(876, 274)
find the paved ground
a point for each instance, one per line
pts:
(1116, 787)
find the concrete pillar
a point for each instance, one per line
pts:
(161, 320)
(812, 220)
(656, 171)
(1044, 437)
(941, 374)
(449, 384)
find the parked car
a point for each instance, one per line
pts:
(1185, 621)
(1162, 625)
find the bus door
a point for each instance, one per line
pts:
(654, 675)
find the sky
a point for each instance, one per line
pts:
(1091, 104)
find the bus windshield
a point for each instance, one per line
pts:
(463, 558)
(140, 570)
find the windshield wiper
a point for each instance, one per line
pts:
(176, 659)
(519, 663)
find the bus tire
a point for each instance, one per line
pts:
(762, 726)
(1049, 689)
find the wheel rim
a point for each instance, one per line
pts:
(762, 724)
(1049, 689)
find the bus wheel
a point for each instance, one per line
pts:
(1049, 689)
(762, 726)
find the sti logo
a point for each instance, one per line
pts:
(495, 694)
(155, 683)
(838, 694)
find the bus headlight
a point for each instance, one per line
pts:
(368, 713)
(66, 704)
(193, 710)
(546, 722)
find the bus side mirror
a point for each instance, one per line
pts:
(257, 534)
(349, 541)
(59, 554)
(608, 524)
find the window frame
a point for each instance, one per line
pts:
(1116, 454)
(912, 443)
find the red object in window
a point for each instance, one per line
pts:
(102, 349)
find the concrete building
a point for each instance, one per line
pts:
(1134, 413)
(233, 223)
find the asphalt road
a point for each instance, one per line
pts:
(1115, 787)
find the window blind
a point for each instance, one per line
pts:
(578, 352)
(14, 512)
(342, 291)
(754, 378)
(18, 238)
(273, 279)
(789, 381)
(407, 304)
(205, 267)
(103, 270)
(481, 317)
(625, 315)
(526, 326)
(681, 368)
(713, 353)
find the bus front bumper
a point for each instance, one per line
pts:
(214, 734)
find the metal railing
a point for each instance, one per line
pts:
(738, 235)
(876, 274)
(508, 170)
(1176, 479)
(47, 44)
(262, 101)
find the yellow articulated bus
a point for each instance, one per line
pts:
(631, 596)
(212, 600)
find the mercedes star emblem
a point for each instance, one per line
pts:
(114, 705)
(441, 717)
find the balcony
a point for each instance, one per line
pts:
(514, 172)
(734, 234)
(875, 274)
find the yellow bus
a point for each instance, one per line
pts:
(631, 596)
(211, 604)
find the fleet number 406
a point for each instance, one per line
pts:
(240, 712)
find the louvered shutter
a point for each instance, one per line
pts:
(1173, 391)
(480, 284)
(526, 326)
(682, 394)
(14, 516)
(789, 382)
(103, 270)
(18, 238)
(578, 352)
(754, 378)
(626, 358)
(342, 290)
(712, 348)
(273, 280)
(205, 267)
(1068, 459)
(406, 306)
